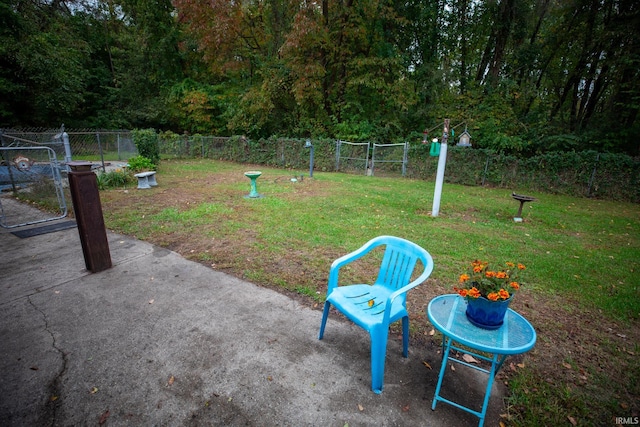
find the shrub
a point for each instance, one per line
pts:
(114, 179)
(141, 163)
(146, 141)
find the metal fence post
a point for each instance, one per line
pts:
(104, 169)
(486, 167)
(67, 147)
(405, 159)
(593, 175)
(6, 160)
(442, 161)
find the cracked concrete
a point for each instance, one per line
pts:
(54, 389)
(159, 340)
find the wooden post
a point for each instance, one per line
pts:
(83, 185)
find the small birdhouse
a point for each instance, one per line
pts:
(465, 139)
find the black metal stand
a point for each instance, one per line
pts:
(522, 199)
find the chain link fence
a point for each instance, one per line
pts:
(100, 146)
(583, 174)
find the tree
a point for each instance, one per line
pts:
(43, 63)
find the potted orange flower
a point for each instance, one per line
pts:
(488, 292)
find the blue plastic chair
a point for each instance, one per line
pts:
(375, 307)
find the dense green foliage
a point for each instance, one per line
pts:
(140, 164)
(526, 76)
(115, 179)
(146, 141)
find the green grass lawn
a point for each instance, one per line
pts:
(580, 292)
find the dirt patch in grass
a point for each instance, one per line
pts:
(583, 370)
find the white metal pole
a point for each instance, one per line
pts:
(442, 162)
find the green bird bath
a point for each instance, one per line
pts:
(253, 176)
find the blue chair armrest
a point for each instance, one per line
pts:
(348, 258)
(419, 280)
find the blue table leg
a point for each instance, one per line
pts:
(496, 363)
(445, 357)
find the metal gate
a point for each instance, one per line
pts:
(30, 176)
(390, 156)
(352, 156)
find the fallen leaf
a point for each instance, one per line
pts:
(360, 407)
(501, 424)
(53, 398)
(427, 365)
(453, 368)
(405, 408)
(371, 302)
(94, 390)
(103, 417)
(469, 358)
(171, 380)
(432, 332)
(520, 365)
(566, 365)
(572, 421)
(269, 378)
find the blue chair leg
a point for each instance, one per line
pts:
(378, 354)
(405, 336)
(325, 314)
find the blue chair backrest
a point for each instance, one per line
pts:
(399, 260)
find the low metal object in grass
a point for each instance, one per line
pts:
(253, 176)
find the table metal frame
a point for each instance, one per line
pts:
(515, 336)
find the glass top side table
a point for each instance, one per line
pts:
(515, 336)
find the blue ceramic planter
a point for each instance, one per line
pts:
(486, 314)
